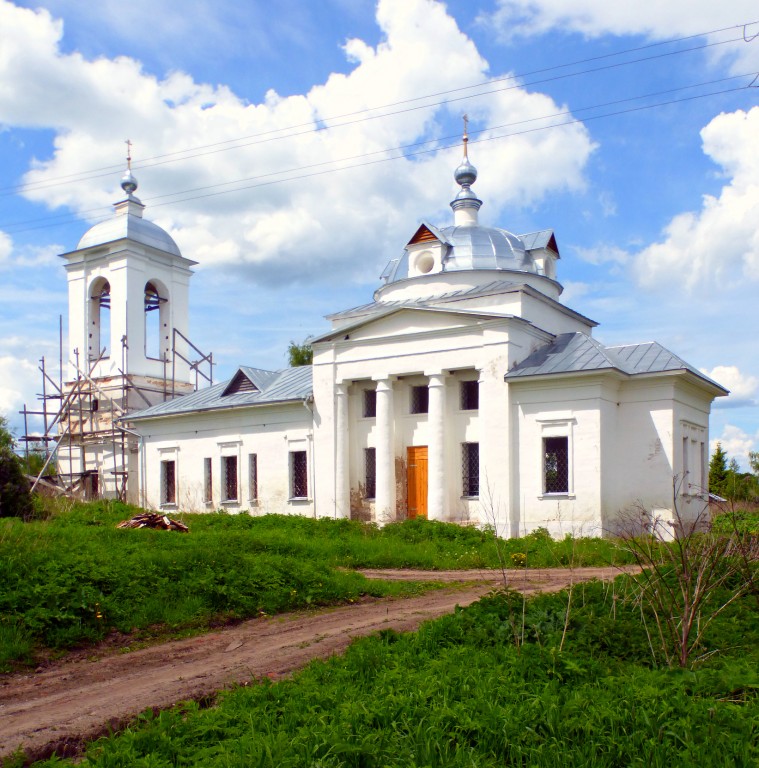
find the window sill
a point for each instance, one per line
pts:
(299, 500)
(229, 502)
(168, 505)
(253, 502)
(470, 498)
(555, 496)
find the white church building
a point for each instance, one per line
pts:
(464, 391)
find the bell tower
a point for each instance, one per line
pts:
(128, 347)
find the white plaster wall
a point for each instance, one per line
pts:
(270, 432)
(549, 409)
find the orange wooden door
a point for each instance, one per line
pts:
(416, 474)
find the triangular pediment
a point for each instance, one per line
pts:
(427, 233)
(406, 321)
(240, 383)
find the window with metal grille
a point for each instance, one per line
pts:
(298, 475)
(420, 399)
(253, 476)
(370, 403)
(470, 395)
(556, 464)
(168, 482)
(229, 471)
(207, 480)
(370, 472)
(470, 469)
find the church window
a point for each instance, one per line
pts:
(229, 478)
(168, 482)
(253, 476)
(470, 469)
(298, 475)
(207, 480)
(556, 465)
(420, 399)
(470, 395)
(370, 403)
(370, 472)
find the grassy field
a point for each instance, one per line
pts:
(74, 578)
(501, 683)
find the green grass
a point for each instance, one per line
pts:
(460, 692)
(74, 577)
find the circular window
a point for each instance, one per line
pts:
(424, 262)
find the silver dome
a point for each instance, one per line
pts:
(133, 228)
(476, 247)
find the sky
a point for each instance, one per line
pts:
(292, 149)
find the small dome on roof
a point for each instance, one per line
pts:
(128, 225)
(127, 222)
(477, 247)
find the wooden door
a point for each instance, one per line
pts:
(416, 474)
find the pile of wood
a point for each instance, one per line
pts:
(154, 520)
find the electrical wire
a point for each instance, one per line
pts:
(266, 136)
(404, 151)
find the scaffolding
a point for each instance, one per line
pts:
(83, 428)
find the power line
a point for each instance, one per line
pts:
(266, 136)
(408, 150)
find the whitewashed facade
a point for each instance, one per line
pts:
(465, 391)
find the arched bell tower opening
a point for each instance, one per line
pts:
(99, 319)
(156, 303)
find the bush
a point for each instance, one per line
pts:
(15, 499)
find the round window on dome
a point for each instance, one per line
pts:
(424, 262)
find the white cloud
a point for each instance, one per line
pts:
(736, 443)
(652, 18)
(743, 387)
(18, 377)
(718, 246)
(304, 229)
(602, 254)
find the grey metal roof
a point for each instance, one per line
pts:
(577, 352)
(493, 287)
(128, 223)
(290, 384)
(542, 239)
(472, 246)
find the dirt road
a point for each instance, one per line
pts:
(58, 708)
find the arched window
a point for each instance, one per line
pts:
(155, 321)
(100, 318)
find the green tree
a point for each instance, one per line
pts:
(300, 354)
(718, 471)
(15, 499)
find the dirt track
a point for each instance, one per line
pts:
(60, 707)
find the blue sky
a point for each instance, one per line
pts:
(656, 210)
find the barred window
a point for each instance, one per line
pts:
(168, 482)
(470, 469)
(229, 470)
(556, 464)
(420, 399)
(207, 480)
(298, 475)
(370, 472)
(470, 395)
(253, 476)
(370, 403)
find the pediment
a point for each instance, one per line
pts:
(240, 383)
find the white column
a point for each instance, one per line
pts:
(384, 500)
(436, 486)
(342, 452)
